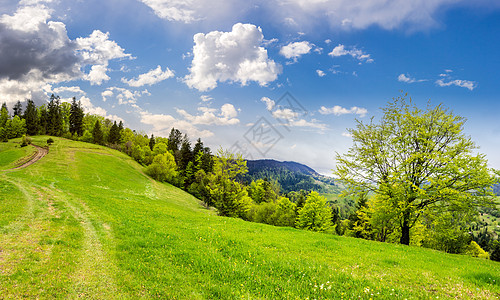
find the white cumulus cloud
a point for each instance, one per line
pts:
(226, 115)
(296, 49)
(152, 77)
(408, 79)
(340, 50)
(339, 110)
(235, 56)
(320, 73)
(446, 80)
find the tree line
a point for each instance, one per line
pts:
(413, 175)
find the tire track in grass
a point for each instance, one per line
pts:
(27, 258)
(95, 275)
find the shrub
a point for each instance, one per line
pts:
(473, 249)
(50, 141)
(25, 141)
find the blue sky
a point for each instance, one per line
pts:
(218, 69)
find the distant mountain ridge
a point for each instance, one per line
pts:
(291, 176)
(289, 165)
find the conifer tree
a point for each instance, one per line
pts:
(152, 142)
(31, 117)
(18, 109)
(55, 120)
(76, 118)
(97, 135)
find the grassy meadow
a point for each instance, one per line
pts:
(85, 221)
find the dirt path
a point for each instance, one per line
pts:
(40, 152)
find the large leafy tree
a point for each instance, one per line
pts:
(418, 160)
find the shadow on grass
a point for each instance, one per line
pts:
(483, 278)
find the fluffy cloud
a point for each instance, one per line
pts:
(339, 110)
(343, 14)
(37, 53)
(355, 53)
(290, 117)
(210, 116)
(123, 95)
(446, 80)
(235, 56)
(70, 89)
(320, 73)
(269, 103)
(296, 49)
(88, 107)
(408, 79)
(162, 124)
(152, 77)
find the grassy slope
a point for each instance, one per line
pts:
(86, 222)
(11, 152)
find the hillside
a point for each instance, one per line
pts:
(84, 221)
(291, 176)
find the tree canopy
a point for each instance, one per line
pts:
(417, 160)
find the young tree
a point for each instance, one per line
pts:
(97, 135)
(315, 215)
(31, 117)
(229, 196)
(418, 160)
(4, 115)
(163, 168)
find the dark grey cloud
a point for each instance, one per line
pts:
(45, 50)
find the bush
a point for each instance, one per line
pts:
(50, 141)
(473, 249)
(163, 168)
(25, 141)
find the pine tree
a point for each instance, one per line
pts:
(18, 109)
(76, 118)
(43, 119)
(185, 155)
(114, 134)
(31, 117)
(55, 120)
(152, 142)
(97, 135)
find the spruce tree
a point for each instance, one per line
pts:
(97, 135)
(152, 142)
(18, 109)
(76, 118)
(55, 120)
(114, 134)
(31, 117)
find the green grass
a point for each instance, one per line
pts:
(11, 152)
(90, 224)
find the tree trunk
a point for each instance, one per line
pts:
(405, 232)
